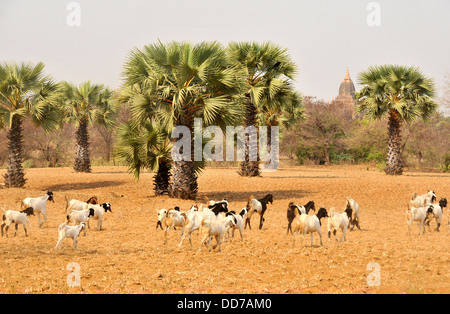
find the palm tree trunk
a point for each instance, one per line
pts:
(82, 160)
(15, 177)
(393, 161)
(162, 179)
(249, 167)
(184, 179)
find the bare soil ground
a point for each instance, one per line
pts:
(128, 256)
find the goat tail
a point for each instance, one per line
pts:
(413, 197)
(67, 203)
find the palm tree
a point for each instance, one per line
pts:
(174, 83)
(401, 93)
(25, 92)
(145, 147)
(285, 111)
(269, 71)
(83, 105)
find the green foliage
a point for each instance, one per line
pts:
(25, 91)
(445, 166)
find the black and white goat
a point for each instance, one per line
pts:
(438, 211)
(351, 204)
(259, 206)
(16, 217)
(240, 219)
(300, 209)
(99, 211)
(39, 205)
(304, 224)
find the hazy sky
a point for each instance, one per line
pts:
(324, 37)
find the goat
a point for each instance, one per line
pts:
(215, 228)
(438, 210)
(309, 224)
(259, 206)
(240, 218)
(67, 231)
(78, 216)
(351, 204)
(162, 215)
(80, 205)
(302, 210)
(99, 212)
(422, 200)
(39, 205)
(419, 214)
(16, 217)
(171, 218)
(220, 206)
(339, 221)
(194, 219)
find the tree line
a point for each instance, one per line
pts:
(170, 84)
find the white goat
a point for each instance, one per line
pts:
(438, 210)
(39, 205)
(308, 224)
(16, 217)
(240, 219)
(67, 231)
(418, 214)
(99, 212)
(78, 216)
(79, 205)
(211, 227)
(422, 200)
(193, 222)
(171, 219)
(339, 221)
(354, 206)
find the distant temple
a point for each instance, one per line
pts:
(345, 97)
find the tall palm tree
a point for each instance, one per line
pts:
(284, 110)
(25, 92)
(269, 72)
(83, 105)
(145, 146)
(177, 82)
(401, 93)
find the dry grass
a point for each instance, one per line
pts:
(128, 256)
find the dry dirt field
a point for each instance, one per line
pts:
(128, 256)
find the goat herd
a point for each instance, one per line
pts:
(79, 214)
(215, 220)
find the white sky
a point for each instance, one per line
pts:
(322, 36)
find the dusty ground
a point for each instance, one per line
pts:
(128, 256)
